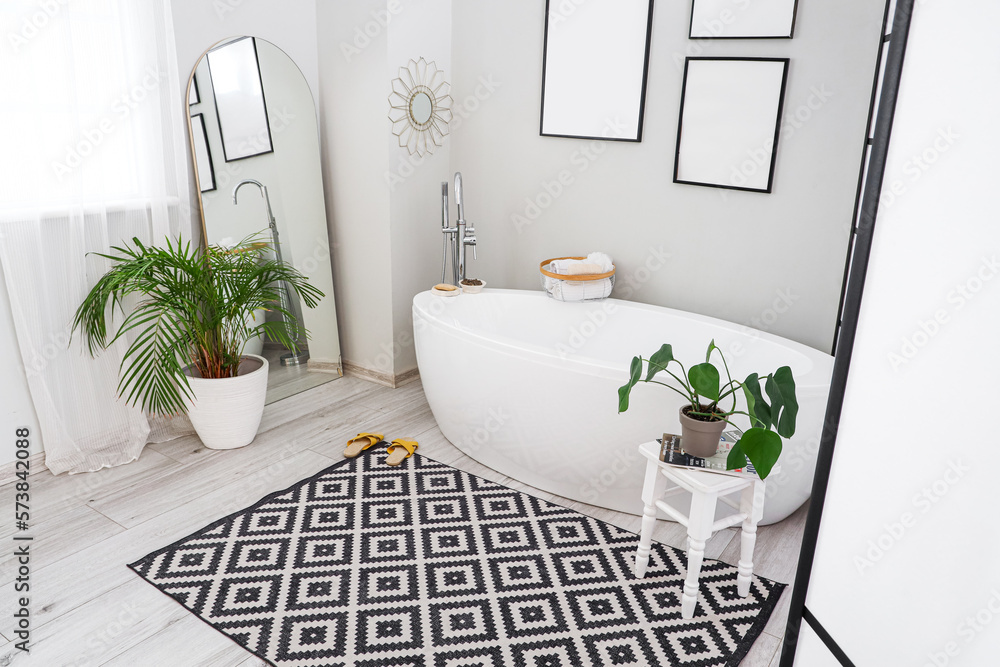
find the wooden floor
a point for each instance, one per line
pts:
(285, 381)
(89, 609)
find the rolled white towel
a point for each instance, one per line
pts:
(582, 269)
(596, 262)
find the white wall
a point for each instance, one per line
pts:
(423, 29)
(353, 106)
(733, 255)
(386, 234)
(906, 564)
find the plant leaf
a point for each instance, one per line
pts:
(736, 458)
(786, 384)
(762, 447)
(760, 411)
(711, 346)
(705, 380)
(659, 361)
(635, 372)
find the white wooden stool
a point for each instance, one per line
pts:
(706, 488)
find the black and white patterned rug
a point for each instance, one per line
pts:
(366, 565)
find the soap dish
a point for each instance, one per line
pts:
(473, 289)
(454, 291)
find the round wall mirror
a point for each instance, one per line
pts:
(420, 107)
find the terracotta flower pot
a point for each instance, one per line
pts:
(226, 412)
(700, 438)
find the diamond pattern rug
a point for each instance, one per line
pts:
(365, 565)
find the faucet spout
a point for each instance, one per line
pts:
(248, 181)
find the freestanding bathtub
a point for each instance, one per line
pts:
(528, 386)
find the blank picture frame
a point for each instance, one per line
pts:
(239, 99)
(194, 97)
(743, 19)
(594, 69)
(202, 153)
(730, 118)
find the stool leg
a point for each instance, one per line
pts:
(699, 530)
(652, 489)
(752, 503)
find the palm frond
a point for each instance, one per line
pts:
(196, 309)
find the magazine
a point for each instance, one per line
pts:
(672, 452)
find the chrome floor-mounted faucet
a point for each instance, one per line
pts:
(289, 300)
(457, 238)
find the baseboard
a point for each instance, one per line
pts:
(378, 377)
(321, 366)
(8, 471)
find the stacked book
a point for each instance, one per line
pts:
(672, 452)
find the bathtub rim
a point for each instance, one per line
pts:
(818, 376)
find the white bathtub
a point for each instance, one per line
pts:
(528, 386)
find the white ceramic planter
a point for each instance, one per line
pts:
(226, 412)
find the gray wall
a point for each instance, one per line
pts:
(743, 257)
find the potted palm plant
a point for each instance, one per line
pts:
(704, 417)
(187, 333)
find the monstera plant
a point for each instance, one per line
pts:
(712, 402)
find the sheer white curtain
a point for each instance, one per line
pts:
(93, 154)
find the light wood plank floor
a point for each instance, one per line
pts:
(285, 381)
(89, 609)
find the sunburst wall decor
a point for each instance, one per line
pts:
(420, 107)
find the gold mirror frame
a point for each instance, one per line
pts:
(416, 136)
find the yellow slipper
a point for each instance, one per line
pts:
(400, 449)
(360, 443)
